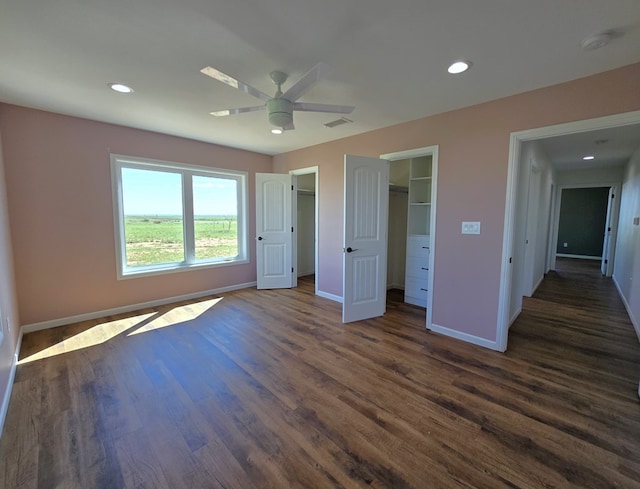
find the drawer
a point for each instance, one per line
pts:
(417, 245)
(418, 266)
(416, 287)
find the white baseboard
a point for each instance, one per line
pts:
(7, 393)
(535, 287)
(29, 328)
(579, 257)
(476, 340)
(332, 297)
(634, 321)
(514, 317)
(395, 286)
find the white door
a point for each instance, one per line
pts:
(274, 231)
(607, 237)
(531, 238)
(606, 263)
(366, 201)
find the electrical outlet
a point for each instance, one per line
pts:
(636, 221)
(470, 227)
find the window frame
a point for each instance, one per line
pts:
(118, 162)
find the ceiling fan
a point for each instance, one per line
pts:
(281, 106)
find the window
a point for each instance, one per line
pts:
(170, 216)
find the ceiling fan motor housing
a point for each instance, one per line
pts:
(280, 112)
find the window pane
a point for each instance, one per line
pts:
(153, 217)
(215, 208)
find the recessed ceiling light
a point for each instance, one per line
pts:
(276, 131)
(459, 67)
(590, 157)
(119, 87)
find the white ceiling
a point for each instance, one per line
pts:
(389, 59)
(609, 147)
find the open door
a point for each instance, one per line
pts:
(607, 235)
(274, 231)
(366, 201)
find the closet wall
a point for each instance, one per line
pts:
(397, 231)
(306, 220)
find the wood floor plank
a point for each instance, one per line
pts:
(269, 390)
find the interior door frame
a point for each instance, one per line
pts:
(515, 144)
(558, 207)
(295, 173)
(413, 153)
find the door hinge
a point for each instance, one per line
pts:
(291, 269)
(510, 259)
(606, 261)
(613, 195)
(292, 187)
(609, 229)
(291, 228)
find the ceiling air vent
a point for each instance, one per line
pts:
(338, 122)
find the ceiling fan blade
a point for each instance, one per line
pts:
(233, 82)
(308, 107)
(222, 113)
(306, 82)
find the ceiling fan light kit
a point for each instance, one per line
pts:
(280, 112)
(281, 106)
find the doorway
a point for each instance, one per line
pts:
(411, 225)
(512, 256)
(305, 218)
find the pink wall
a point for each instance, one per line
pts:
(60, 208)
(473, 161)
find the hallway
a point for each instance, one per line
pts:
(575, 329)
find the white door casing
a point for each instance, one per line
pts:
(607, 235)
(366, 201)
(274, 231)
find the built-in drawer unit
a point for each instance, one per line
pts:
(417, 271)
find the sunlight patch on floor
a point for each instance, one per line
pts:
(96, 335)
(179, 314)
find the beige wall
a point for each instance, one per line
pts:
(59, 195)
(8, 303)
(472, 178)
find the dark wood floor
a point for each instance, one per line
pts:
(268, 389)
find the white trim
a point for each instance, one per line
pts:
(579, 257)
(409, 153)
(516, 138)
(535, 287)
(506, 270)
(7, 393)
(469, 338)
(307, 171)
(54, 323)
(634, 321)
(513, 318)
(332, 297)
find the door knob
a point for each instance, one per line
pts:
(351, 250)
(259, 238)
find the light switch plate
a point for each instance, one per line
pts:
(470, 227)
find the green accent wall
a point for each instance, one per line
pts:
(583, 214)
